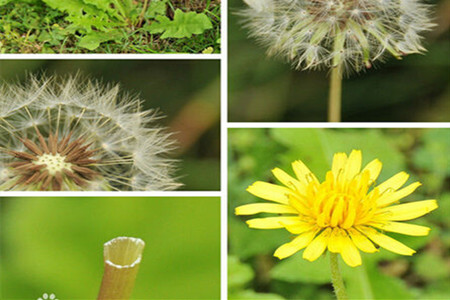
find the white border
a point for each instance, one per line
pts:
(222, 57)
(339, 125)
(224, 154)
(225, 125)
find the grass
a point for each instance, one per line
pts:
(37, 28)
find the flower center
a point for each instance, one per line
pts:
(53, 163)
(340, 202)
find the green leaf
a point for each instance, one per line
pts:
(251, 295)
(93, 40)
(239, 274)
(315, 147)
(296, 269)
(155, 8)
(69, 6)
(368, 282)
(430, 266)
(183, 25)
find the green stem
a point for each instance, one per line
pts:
(336, 278)
(334, 101)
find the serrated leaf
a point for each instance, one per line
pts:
(93, 40)
(69, 6)
(155, 8)
(183, 25)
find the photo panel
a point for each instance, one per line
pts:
(306, 202)
(287, 58)
(66, 247)
(110, 26)
(84, 125)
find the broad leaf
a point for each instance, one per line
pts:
(92, 41)
(183, 25)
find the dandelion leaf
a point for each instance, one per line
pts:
(92, 41)
(155, 8)
(183, 25)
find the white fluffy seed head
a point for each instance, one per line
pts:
(125, 141)
(353, 34)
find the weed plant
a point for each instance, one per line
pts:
(110, 26)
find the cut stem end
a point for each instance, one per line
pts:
(122, 257)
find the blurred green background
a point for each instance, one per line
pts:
(55, 245)
(253, 271)
(187, 93)
(267, 89)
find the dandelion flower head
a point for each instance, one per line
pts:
(345, 214)
(329, 33)
(73, 134)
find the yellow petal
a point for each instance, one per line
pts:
(393, 183)
(300, 227)
(270, 192)
(317, 246)
(297, 244)
(403, 228)
(256, 208)
(363, 243)
(350, 253)
(271, 222)
(336, 241)
(386, 242)
(337, 213)
(407, 211)
(304, 175)
(389, 198)
(339, 160)
(374, 168)
(287, 180)
(353, 165)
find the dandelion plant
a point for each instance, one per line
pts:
(72, 134)
(346, 213)
(340, 35)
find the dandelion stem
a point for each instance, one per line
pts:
(334, 103)
(122, 257)
(336, 278)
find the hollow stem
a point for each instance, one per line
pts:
(122, 257)
(334, 100)
(336, 278)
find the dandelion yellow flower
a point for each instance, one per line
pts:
(345, 213)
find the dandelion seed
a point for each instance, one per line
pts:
(68, 134)
(344, 214)
(352, 33)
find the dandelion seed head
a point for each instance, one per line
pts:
(364, 30)
(343, 213)
(74, 134)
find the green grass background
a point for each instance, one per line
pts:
(168, 85)
(55, 245)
